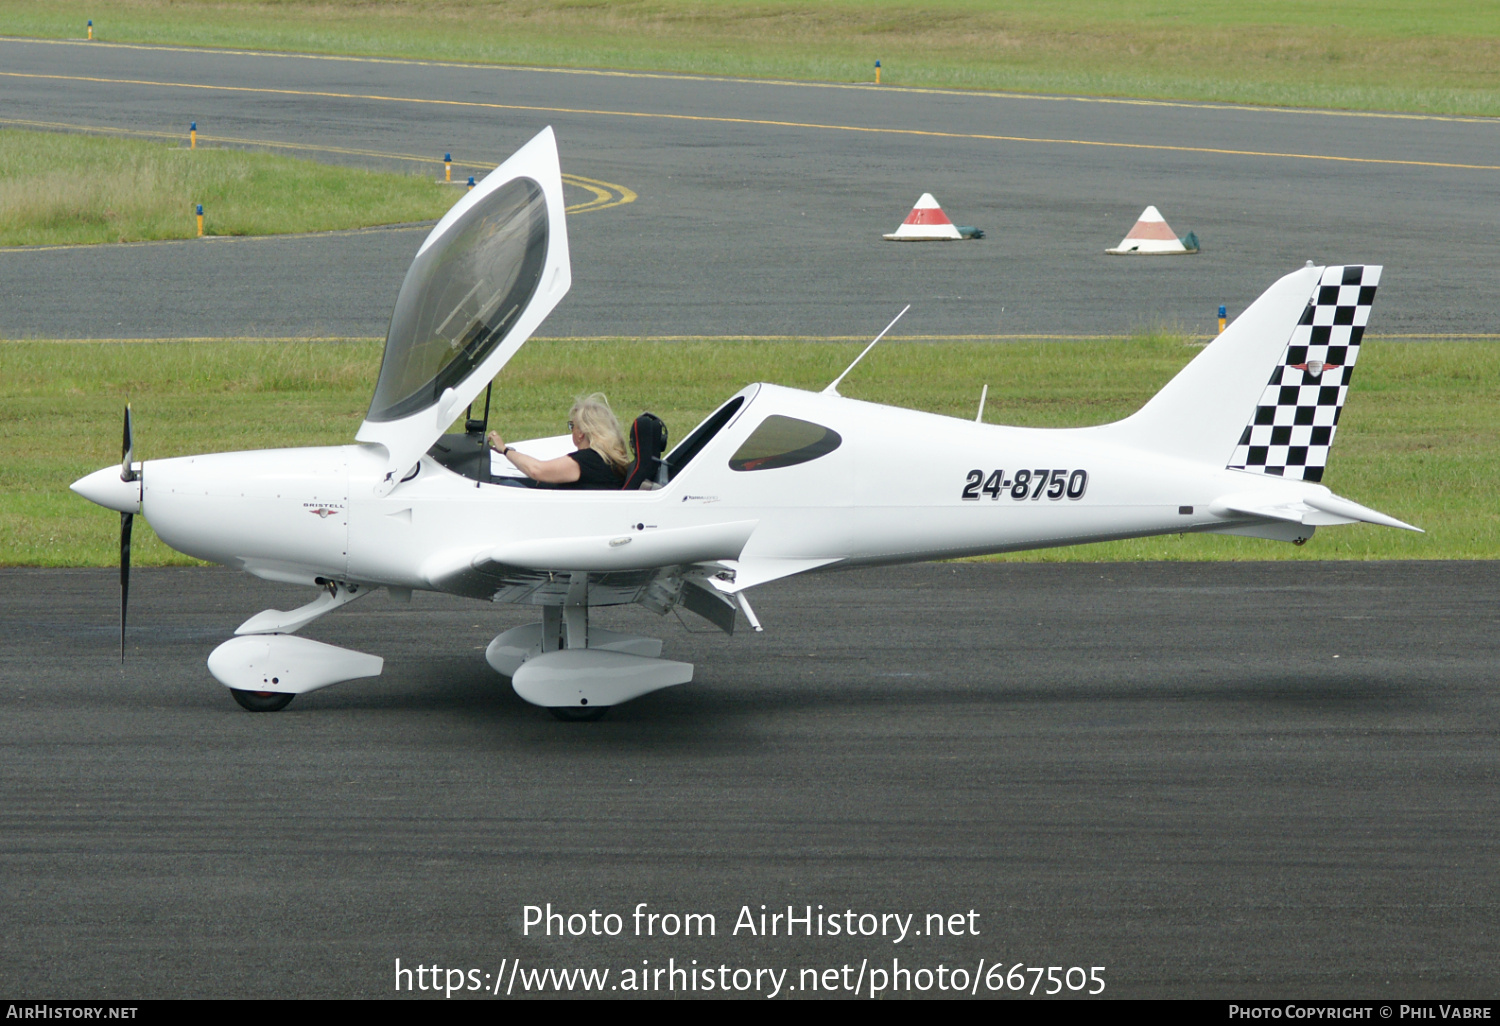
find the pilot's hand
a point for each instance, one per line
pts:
(496, 442)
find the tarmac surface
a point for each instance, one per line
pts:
(1249, 780)
(761, 205)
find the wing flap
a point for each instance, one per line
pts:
(748, 573)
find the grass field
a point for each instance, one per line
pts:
(1418, 439)
(1441, 56)
(58, 189)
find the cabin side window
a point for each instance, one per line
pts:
(784, 442)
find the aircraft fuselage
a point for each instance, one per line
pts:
(902, 486)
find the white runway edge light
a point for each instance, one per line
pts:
(1152, 236)
(928, 223)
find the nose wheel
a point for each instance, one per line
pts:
(262, 701)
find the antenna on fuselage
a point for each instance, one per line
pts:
(833, 388)
(983, 395)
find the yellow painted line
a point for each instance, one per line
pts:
(606, 194)
(647, 115)
(185, 341)
(672, 76)
(416, 226)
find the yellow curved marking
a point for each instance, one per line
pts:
(606, 194)
(1250, 108)
(600, 195)
(915, 132)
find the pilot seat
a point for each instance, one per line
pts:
(648, 437)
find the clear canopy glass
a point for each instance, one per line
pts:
(461, 297)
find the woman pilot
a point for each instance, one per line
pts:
(600, 459)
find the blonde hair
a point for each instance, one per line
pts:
(592, 416)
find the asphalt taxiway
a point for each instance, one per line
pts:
(1272, 780)
(761, 205)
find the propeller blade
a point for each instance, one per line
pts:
(127, 520)
(127, 450)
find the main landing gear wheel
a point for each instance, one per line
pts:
(262, 701)
(579, 714)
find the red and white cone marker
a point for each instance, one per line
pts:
(1152, 236)
(926, 223)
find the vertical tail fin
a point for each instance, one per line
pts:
(1292, 428)
(1266, 395)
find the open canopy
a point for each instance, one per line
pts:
(460, 298)
(485, 278)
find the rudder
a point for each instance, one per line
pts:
(1292, 428)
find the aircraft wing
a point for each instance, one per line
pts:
(658, 568)
(643, 549)
(660, 590)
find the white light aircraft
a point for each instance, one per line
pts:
(775, 482)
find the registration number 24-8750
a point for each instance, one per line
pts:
(1027, 484)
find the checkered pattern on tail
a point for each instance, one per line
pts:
(1291, 431)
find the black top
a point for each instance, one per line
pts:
(594, 471)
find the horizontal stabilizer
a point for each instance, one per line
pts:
(1312, 511)
(1344, 508)
(1270, 530)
